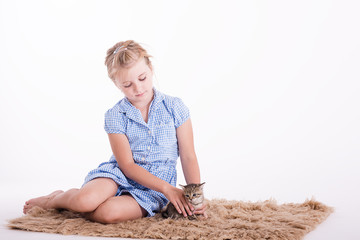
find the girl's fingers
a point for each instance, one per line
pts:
(180, 203)
(201, 210)
(187, 207)
(183, 211)
(190, 206)
(177, 208)
(183, 208)
(180, 208)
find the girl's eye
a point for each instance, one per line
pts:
(128, 85)
(142, 79)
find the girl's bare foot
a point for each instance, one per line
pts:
(42, 202)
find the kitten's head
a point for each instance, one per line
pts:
(194, 193)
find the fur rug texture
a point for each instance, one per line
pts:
(227, 220)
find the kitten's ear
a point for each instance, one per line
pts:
(202, 185)
(182, 186)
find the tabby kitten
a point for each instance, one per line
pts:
(193, 194)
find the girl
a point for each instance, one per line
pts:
(147, 130)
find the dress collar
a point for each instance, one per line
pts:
(132, 112)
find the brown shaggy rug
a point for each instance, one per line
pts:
(227, 220)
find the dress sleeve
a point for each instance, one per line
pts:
(115, 122)
(181, 112)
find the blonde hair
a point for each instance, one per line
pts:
(123, 55)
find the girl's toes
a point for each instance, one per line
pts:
(26, 209)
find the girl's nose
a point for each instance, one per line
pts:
(137, 88)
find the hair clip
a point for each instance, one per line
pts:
(118, 48)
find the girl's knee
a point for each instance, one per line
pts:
(108, 213)
(85, 201)
(94, 193)
(117, 217)
(115, 213)
(112, 218)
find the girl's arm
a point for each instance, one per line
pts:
(188, 158)
(123, 155)
(189, 162)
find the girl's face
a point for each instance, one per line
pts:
(136, 83)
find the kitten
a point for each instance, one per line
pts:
(193, 194)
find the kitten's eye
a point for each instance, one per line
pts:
(187, 195)
(194, 195)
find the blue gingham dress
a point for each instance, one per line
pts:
(153, 144)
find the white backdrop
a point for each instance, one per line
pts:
(272, 86)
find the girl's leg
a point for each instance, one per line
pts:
(117, 209)
(86, 199)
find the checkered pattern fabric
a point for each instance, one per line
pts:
(153, 145)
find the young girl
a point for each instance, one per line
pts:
(147, 130)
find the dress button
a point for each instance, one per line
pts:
(149, 132)
(148, 148)
(142, 158)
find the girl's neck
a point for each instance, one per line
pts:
(144, 110)
(144, 107)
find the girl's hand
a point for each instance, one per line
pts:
(176, 197)
(202, 210)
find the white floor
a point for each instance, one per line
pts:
(342, 224)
